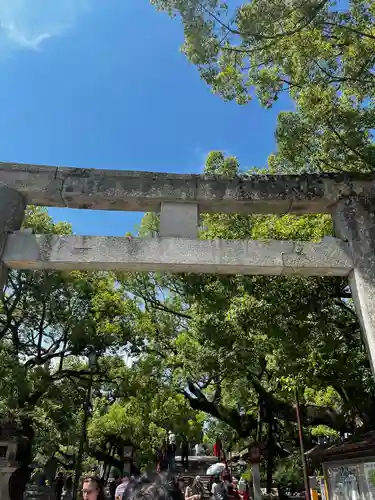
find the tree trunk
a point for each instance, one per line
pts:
(259, 421)
(270, 458)
(21, 476)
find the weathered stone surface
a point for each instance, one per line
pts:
(37, 183)
(12, 208)
(144, 191)
(307, 254)
(355, 222)
(27, 251)
(179, 220)
(5, 474)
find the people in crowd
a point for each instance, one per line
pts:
(218, 448)
(198, 487)
(122, 486)
(241, 485)
(162, 457)
(185, 453)
(232, 491)
(144, 488)
(67, 493)
(176, 489)
(210, 482)
(92, 488)
(171, 437)
(59, 485)
(171, 452)
(243, 489)
(218, 489)
(134, 470)
(165, 457)
(114, 481)
(226, 477)
(181, 483)
(159, 459)
(197, 449)
(189, 494)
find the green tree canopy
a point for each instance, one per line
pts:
(236, 346)
(49, 324)
(47, 321)
(320, 52)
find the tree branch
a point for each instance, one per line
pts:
(242, 424)
(305, 22)
(349, 28)
(41, 328)
(311, 415)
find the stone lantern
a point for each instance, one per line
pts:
(8, 450)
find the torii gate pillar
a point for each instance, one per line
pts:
(12, 209)
(354, 220)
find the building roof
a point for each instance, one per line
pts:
(356, 446)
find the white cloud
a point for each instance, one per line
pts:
(29, 23)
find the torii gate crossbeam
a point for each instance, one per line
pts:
(145, 191)
(349, 198)
(331, 257)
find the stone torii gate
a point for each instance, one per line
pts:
(349, 198)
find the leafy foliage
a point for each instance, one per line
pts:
(236, 347)
(320, 52)
(49, 324)
(288, 474)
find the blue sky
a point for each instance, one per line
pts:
(103, 84)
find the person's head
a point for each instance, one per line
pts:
(92, 488)
(217, 479)
(145, 488)
(174, 484)
(189, 481)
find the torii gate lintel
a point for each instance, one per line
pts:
(349, 198)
